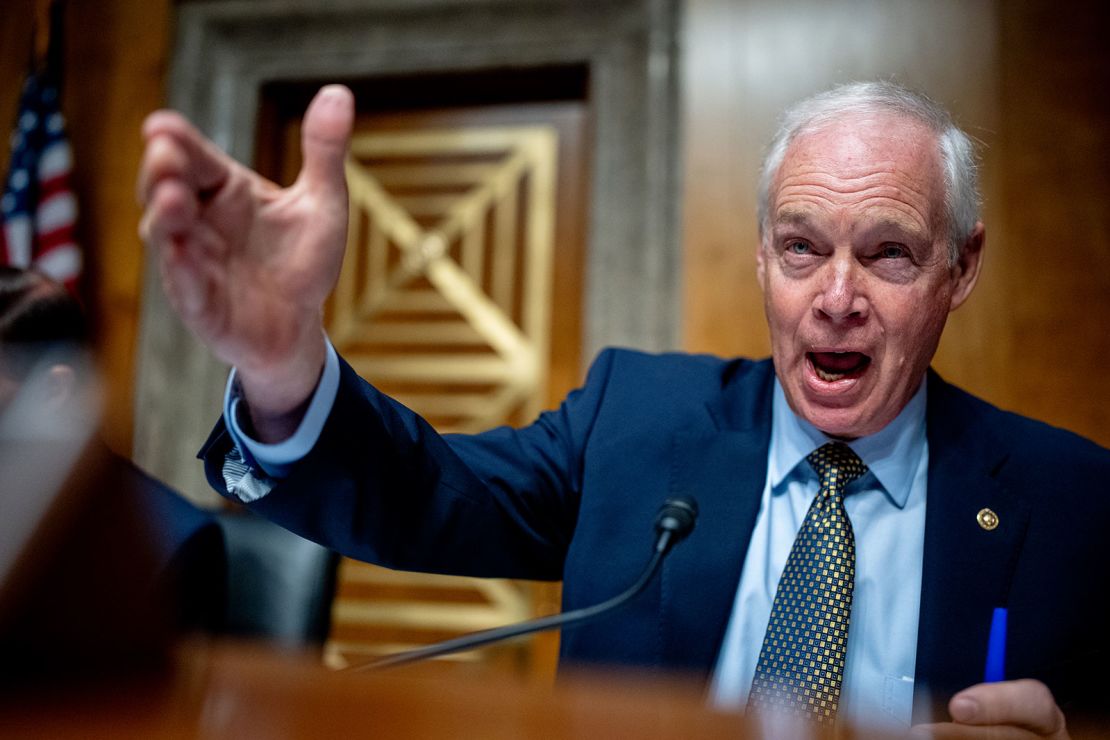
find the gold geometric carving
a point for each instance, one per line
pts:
(379, 611)
(446, 288)
(444, 302)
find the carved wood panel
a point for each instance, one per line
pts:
(444, 302)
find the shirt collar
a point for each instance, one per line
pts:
(891, 455)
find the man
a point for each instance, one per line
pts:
(113, 563)
(815, 465)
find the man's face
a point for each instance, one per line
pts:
(854, 269)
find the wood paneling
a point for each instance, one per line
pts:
(1027, 79)
(15, 49)
(115, 62)
(115, 58)
(1054, 139)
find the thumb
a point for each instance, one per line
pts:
(325, 135)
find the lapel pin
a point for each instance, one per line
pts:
(987, 519)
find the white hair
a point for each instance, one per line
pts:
(955, 148)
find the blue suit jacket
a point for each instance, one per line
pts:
(574, 496)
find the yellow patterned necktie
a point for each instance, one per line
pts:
(801, 664)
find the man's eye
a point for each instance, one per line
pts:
(893, 252)
(798, 248)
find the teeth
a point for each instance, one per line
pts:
(828, 377)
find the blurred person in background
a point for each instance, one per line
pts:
(101, 566)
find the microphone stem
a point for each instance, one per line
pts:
(540, 624)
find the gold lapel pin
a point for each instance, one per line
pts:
(987, 519)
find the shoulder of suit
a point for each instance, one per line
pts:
(681, 362)
(673, 385)
(1030, 442)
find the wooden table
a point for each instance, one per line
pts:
(237, 693)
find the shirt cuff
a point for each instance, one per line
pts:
(242, 482)
(276, 459)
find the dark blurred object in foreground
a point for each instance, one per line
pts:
(100, 565)
(280, 585)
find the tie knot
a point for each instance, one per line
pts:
(836, 465)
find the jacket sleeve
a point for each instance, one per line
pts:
(382, 486)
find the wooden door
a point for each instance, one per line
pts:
(460, 295)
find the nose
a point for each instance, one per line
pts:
(842, 297)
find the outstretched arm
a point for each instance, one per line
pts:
(246, 264)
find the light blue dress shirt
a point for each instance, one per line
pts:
(887, 511)
(275, 459)
(886, 508)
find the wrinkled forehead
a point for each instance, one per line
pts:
(857, 141)
(863, 151)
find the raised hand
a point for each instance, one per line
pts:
(246, 264)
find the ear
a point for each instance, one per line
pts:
(965, 273)
(61, 383)
(760, 264)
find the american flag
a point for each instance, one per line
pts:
(38, 206)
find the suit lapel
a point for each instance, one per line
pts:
(967, 568)
(721, 461)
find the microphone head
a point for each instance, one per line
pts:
(677, 517)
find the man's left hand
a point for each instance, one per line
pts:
(1009, 709)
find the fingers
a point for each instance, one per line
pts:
(184, 283)
(178, 164)
(1027, 704)
(170, 213)
(177, 150)
(191, 279)
(325, 137)
(1020, 710)
(170, 225)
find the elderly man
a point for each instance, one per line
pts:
(861, 520)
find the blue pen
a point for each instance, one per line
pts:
(995, 669)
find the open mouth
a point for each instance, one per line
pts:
(832, 366)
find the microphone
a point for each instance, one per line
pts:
(674, 522)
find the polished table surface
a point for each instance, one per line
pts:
(234, 692)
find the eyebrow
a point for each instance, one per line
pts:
(799, 217)
(792, 216)
(905, 226)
